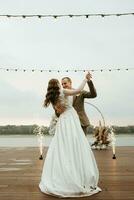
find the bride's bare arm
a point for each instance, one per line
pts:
(70, 92)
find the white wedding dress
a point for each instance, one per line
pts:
(70, 168)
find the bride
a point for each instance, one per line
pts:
(70, 168)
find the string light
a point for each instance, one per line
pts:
(66, 70)
(69, 15)
(55, 16)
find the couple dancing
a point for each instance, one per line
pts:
(70, 168)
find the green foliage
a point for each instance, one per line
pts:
(123, 129)
(20, 130)
(117, 129)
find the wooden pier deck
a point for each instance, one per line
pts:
(20, 171)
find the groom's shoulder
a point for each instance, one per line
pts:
(81, 93)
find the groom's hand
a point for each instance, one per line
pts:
(88, 76)
(60, 108)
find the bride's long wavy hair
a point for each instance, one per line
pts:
(53, 92)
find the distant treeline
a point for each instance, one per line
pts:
(32, 130)
(117, 129)
(21, 130)
(123, 129)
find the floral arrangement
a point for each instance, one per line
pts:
(104, 137)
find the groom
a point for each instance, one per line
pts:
(78, 100)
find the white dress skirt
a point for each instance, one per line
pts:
(70, 168)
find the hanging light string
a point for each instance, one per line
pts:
(6, 69)
(68, 15)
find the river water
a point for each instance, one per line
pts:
(32, 141)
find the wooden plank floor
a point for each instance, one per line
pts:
(20, 171)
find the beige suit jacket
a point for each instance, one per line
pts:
(78, 103)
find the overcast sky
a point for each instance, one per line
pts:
(76, 43)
